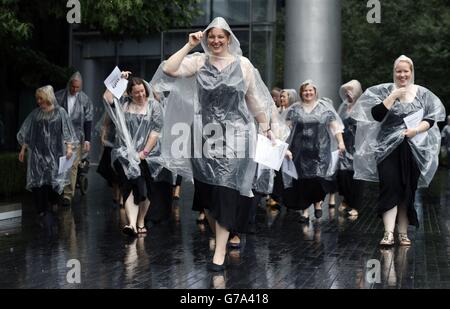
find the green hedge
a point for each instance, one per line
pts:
(12, 174)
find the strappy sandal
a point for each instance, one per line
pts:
(142, 230)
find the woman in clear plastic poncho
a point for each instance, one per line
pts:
(47, 135)
(348, 187)
(138, 121)
(316, 133)
(222, 93)
(386, 150)
(287, 98)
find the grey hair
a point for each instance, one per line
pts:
(47, 94)
(76, 76)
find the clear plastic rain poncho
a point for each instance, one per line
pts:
(353, 90)
(376, 140)
(218, 109)
(105, 124)
(133, 129)
(83, 110)
(313, 138)
(47, 135)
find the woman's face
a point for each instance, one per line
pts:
(309, 94)
(218, 41)
(41, 102)
(284, 99)
(403, 74)
(138, 94)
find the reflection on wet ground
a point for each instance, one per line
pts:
(333, 252)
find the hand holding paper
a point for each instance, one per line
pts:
(65, 164)
(269, 154)
(115, 83)
(412, 121)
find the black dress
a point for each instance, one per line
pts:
(216, 176)
(311, 149)
(398, 172)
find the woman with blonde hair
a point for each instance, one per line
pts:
(316, 134)
(401, 157)
(46, 135)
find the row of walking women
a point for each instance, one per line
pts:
(220, 89)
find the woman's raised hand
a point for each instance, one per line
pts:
(195, 38)
(125, 74)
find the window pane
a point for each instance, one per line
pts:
(234, 11)
(264, 11)
(262, 51)
(205, 18)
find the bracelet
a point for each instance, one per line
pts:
(417, 131)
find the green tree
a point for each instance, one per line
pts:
(136, 18)
(418, 29)
(34, 37)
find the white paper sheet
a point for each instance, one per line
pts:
(412, 121)
(64, 164)
(115, 83)
(268, 154)
(334, 161)
(288, 168)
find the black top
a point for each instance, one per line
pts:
(379, 112)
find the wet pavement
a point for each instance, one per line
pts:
(332, 252)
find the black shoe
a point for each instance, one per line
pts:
(317, 213)
(303, 219)
(215, 267)
(276, 207)
(66, 202)
(128, 230)
(234, 245)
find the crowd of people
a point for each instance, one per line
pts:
(222, 99)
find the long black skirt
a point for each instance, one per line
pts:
(105, 169)
(399, 175)
(144, 187)
(330, 185)
(351, 189)
(304, 192)
(224, 204)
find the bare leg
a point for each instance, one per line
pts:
(222, 235)
(332, 199)
(132, 211)
(389, 219)
(143, 208)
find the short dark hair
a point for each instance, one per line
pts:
(136, 81)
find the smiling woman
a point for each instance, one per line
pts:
(217, 89)
(389, 152)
